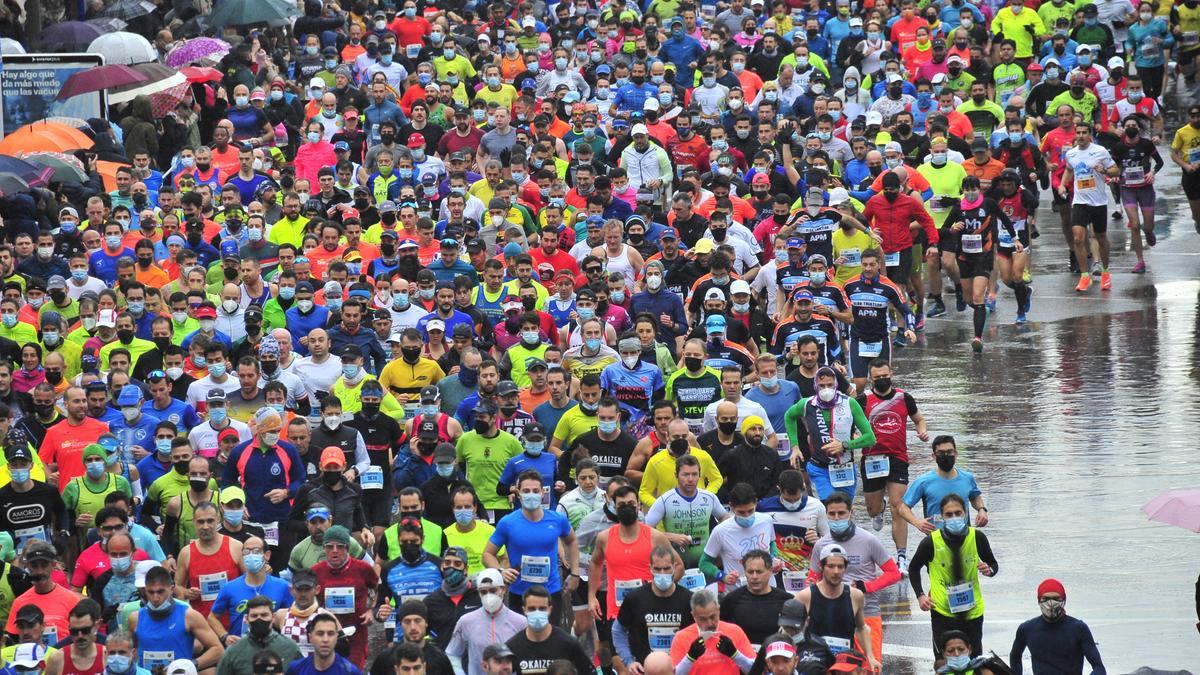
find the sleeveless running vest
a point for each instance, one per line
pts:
(490, 306)
(627, 565)
(889, 421)
(210, 573)
(840, 427)
(833, 619)
(161, 641)
(95, 668)
(90, 501)
(953, 597)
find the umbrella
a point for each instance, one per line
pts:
(196, 74)
(64, 168)
(11, 184)
(34, 176)
(198, 49)
(129, 9)
(74, 122)
(244, 12)
(44, 136)
(123, 48)
(166, 100)
(159, 78)
(108, 24)
(1180, 508)
(99, 79)
(69, 35)
(108, 172)
(11, 46)
(197, 25)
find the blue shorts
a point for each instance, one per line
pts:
(819, 476)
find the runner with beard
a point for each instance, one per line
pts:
(804, 321)
(382, 437)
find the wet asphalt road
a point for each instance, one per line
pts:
(1070, 424)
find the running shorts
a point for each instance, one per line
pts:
(897, 473)
(1083, 215)
(976, 265)
(899, 272)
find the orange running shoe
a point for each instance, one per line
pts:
(1085, 282)
(1105, 281)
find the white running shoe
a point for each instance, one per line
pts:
(902, 563)
(877, 522)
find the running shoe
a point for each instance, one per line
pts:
(1139, 268)
(1105, 281)
(1151, 238)
(1021, 318)
(899, 340)
(902, 564)
(1117, 215)
(990, 303)
(1073, 265)
(1096, 269)
(1028, 302)
(919, 326)
(877, 522)
(938, 308)
(1085, 282)
(959, 303)
(977, 345)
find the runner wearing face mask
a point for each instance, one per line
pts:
(484, 451)
(931, 487)
(799, 521)
(493, 622)
(1056, 641)
(623, 553)
(829, 420)
(534, 458)
(957, 555)
(412, 576)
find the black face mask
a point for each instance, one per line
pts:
(1077, 91)
(193, 238)
(679, 446)
(727, 428)
(693, 363)
(145, 263)
(125, 336)
(410, 552)
(54, 377)
(230, 273)
(627, 514)
(1131, 132)
(482, 428)
(181, 467)
(253, 328)
(411, 354)
(945, 461)
(370, 410)
(904, 128)
(45, 409)
(269, 367)
(59, 297)
(508, 410)
(980, 98)
(876, 170)
(162, 342)
(197, 484)
(883, 384)
(388, 250)
(718, 233)
(388, 218)
(955, 70)
(260, 629)
(331, 478)
(360, 203)
(426, 449)
(891, 196)
(387, 139)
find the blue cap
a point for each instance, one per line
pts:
(512, 249)
(603, 69)
(131, 394)
(595, 220)
(715, 324)
(802, 295)
(795, 242)
(341, 145)
(528, 82)
(229, 247)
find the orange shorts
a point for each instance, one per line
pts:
(876, 625)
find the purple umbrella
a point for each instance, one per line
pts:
(198, 49)
(73, 35)
(34, 176)
(1180, 508)
(98, 79)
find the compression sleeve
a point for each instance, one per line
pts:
(867, 436)
(891, 574)
(684, 667)
(621, 643)
(791, 420)
(708, 566)
(984, 548)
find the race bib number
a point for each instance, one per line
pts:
(837, 645)
(1006, 239)
(940, 204)
(535, 569)
(869, 350)
(794, 581)
(210, 585)
(660, 638)
(1191, 38)
(972, 243)
(892, 259)
(841, 475)
(152, 660)
(1194, 155)
(340, 600)
(50, 637)
(271, 533)
(625, 587)
(693, 579)
(878, 466)
(372, 478)
(1135, 174)
(412, 50)
(390, 623)
(1085, 182)
(853, 256)
(961, 597)
(24, 535)
(784, 451)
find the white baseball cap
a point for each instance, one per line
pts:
(639, 129)
(739, 286)
(106, 317)
(488, 578)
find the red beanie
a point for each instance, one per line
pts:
(1051, 586)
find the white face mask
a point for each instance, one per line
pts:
(491, 602)
(827, 394)
(654, 282)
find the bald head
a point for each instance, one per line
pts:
(658, 663)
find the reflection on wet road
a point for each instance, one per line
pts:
(1071, 424)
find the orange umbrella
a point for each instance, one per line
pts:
(44, 137)
(108, 171)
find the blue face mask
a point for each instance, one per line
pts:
(217, 415)
(1015, 137)
(839, 526)
(20, 475)
(744, 521)
(769, 382)
(608, 426)
(586, 313)
(592, 344)
(956, 525)
(117, 663)
(445, 470)
(334, 305)
(121, 564)
(531, 501)
(254, 562)
(163, 446)
(538, 619)
(350, 371)
(287, 292)
(663, 582)
(534, 448)
(817, 277)
(137, 307)
(530, 337)
(400, 301)
(464, 516)
(217, 369)
(95, 470)
(234, 517)
(79, 275)
(960, 662)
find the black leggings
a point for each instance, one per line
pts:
(1152, 80)
(972, 627)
